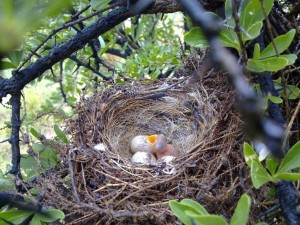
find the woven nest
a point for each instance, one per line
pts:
(197, 115)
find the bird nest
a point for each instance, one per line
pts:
(100, 185)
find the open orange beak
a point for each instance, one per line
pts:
(152, 139)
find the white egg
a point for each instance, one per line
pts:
(140, 143)
(100, 147)
(143, 158)
(167, 158)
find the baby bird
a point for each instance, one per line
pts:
(140, 143)
(160, 147)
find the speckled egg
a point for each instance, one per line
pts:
(143, 158)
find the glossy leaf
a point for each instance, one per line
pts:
(252, 12)
(228, 38)
(179, 210)
(14, 216)
(291, 159)
(196, 38)
(195, 205)
(270, 64)
(288, 176)
(256, 52)
(291, 58)
(253, 31)
(249, 154)
(275, 99)
(50, 215)
(36, 220)
(272, 163)
(228, 13)
(259, 174)
(241, 213)
(60, 134)
(281, 42)
(293, 91)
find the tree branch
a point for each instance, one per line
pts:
(14, 138)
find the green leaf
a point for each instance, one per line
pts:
(228, 13)
(15, 57)
(259, 175)
(271, 163)
(50, 215)
(36, 220)
(35, 133)
(195, 205)
(228, 38)
(38, 147)
(291, 58)
(60, 134)
(288, 176)
(275, 99)
(14, 216)
(98, 4)
(270, 64)
(293, 91)
(196, 38)
(4, 65)
(281, 42)
(253, 31)
(179, 210)
(207, 219)
(241, 213)
(291, 159)
(256, 52)
(249, 154)
(252, 12)
(262, 223)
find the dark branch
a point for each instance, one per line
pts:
(14, 138)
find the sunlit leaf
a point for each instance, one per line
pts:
(228, 38)
(256, 52)
(288, 176)
(259, 174)
(179, 210)
(291, 58)
(249, 154)
(270, 64)
(272, 163)
(253, 31)
(60, 134)
(241, 213)
(35, 133)
(253, 12)
(195, 205)
(196, 38)
(14, 216)
(275, 99)
(50, 215)
(291, 159)
(281, 42)
(98, 4)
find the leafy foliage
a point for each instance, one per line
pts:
(18, 216)
(190, 212)
(251, 19)
(261, 175)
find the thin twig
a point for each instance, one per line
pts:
(62, 27)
